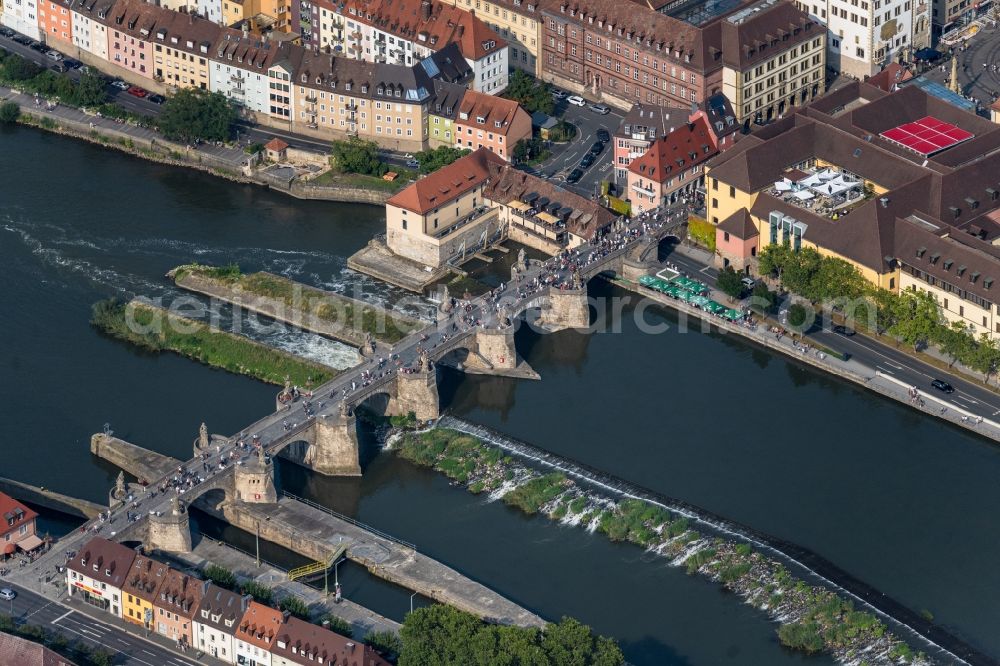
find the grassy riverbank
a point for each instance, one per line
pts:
(811, 618)
(340, 311)
(154, 329)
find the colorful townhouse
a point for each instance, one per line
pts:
(90, 31)
(257, 634)
(55, 23)
(516, 21)
(216, 622)
(141, 590)
(300, 643)
(22, 16)
(239, 69)
(494, 123)
(175, 607)
(17, 531)
(98, 572)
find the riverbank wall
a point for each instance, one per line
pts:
(49, 499)
(849, 370)
(149, 145)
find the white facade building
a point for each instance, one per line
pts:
(22, 16)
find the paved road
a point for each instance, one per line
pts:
(976, 81)
(75, 622)
(887, 359)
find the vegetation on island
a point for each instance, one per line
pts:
(348, 314)
(75, 650)
(912, 317)
(811, 618)
(443, 635)
(530, 93)
(155, 329)
(192, 114)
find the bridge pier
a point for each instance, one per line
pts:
(170, 531)
(334, 446)
(633, 269)
(496, 347)
(566, 308)
(254, 481)
(416, 392)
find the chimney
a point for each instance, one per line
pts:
(425, 9)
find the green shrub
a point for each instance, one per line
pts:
(221, 576)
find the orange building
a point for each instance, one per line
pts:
(255, 636)
(18, 527)
(494, 123)
(55, 23)
(141, 588)
(176, 604)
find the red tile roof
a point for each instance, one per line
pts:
(300, 641)
(276, 144)
(685, 147)
(9, 508)
(145, 577)
(103, 561)
(15, 651)
(491, 109)
(260, 625)
(434, 24)
(447, 184)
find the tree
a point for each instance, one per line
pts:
(9, 112)
(955, 341)
(295, 606)
(730, 283)
(338, 625)
(772, 259)
(358, 156)
(529, 92)
(221, 576)
(193, 114)
(836, 278)
(571, 643)
(91, 91)
(917, 318)
(261, 593)
(763, 297)
(16, 68)
(798, 316)
(387, 643)
(527, 149)
(432, 160)
(986, 357)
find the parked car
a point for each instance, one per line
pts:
(6, 32)
(412, 164)
(576, 100)
(843, 330)
(597, 148)
(600, 108)
(72, 64)
(157, 99)
(558, 94)
(136, 91)
(37, 46)
(121, 85)
(54, 55)
(603, 135)
(942, 385)
(21, 39)
(7, 594)
(574, 176)
(587, 160)
(58, 67)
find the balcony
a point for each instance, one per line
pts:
(645, 191)
(478, 216)
(548, 227)
(351, 106)
(311, 98)
(237, 92)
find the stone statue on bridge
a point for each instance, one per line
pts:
(119, 492)
(203, 440)
(576, 280)
(368, 348)
(286, 393)
(445, 305)
(521, 266)
(425, 361)
(345, 409)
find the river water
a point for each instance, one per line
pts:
(900, 501)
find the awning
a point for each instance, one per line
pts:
(548, 219)
(517, 205)
(30, 542)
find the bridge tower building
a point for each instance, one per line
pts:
(417, 392)
(254, 480)
(171, 531)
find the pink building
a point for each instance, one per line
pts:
(130, 28)
(18, 527)
(736, 241)
(672, 167)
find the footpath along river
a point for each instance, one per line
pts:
(900, 501)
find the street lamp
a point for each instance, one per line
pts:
(411, 600)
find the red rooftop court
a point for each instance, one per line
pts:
(927, 135)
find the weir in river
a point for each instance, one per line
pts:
(808, 565)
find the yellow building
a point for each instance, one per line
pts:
(517, 21)
(828, 177)
(181, 47)
(139, 591)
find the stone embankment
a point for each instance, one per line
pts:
(319, 311)
(317, 533)
(49, 499)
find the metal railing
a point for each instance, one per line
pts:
(348, 519)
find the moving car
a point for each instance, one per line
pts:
(576, 100)
(412, 164)
(603, 135)
(600, 108)
(574, 176)
(843, 330)
(7, 594)
(597, 148)
(136, 91)
(587, 160)
(157, 99)
(748, 283)
(942, 385)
